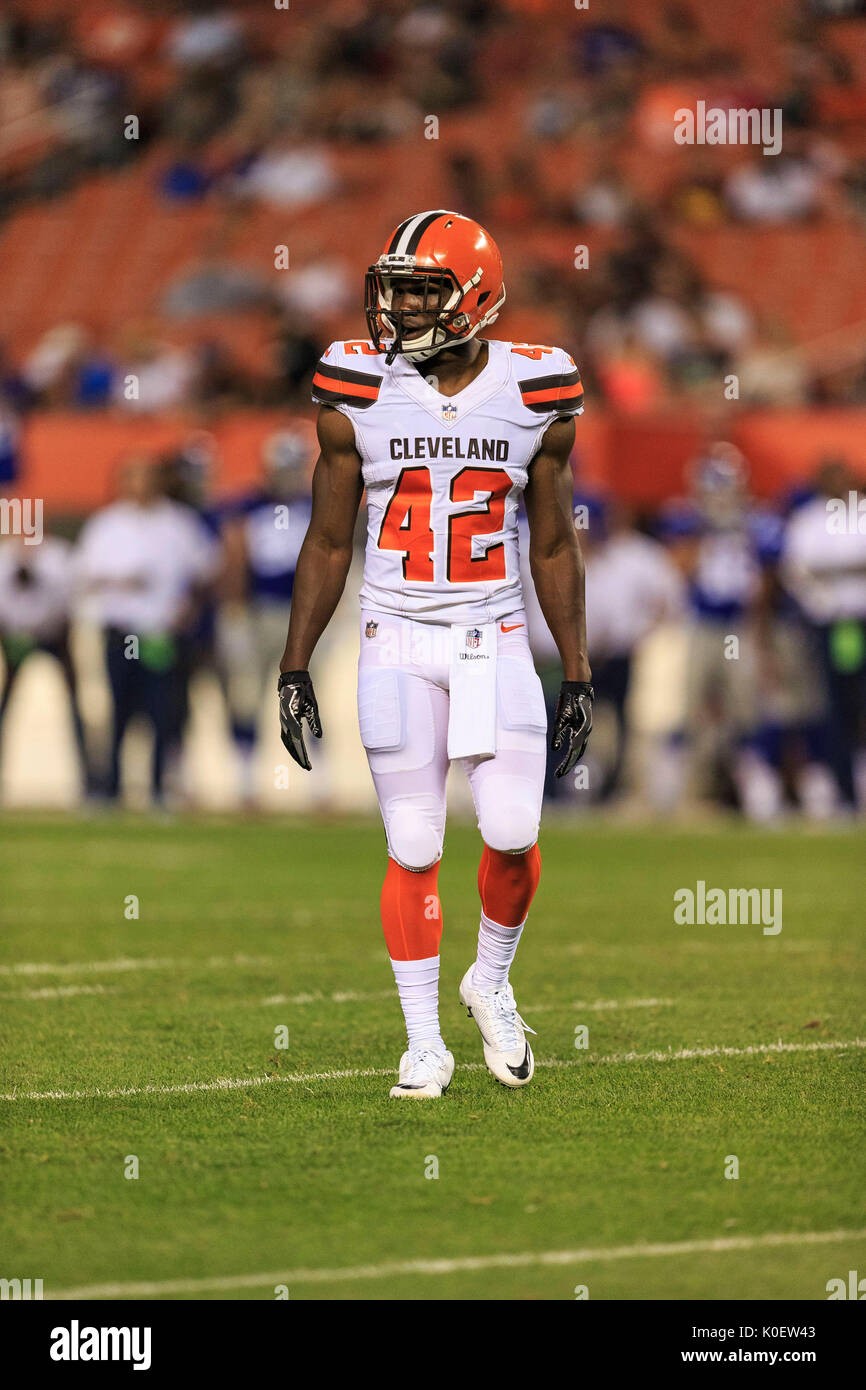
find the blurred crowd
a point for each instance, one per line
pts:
(245, 104)
(245, 111)
(756, 615)
(762, 706)
(175, 584)
(727, 637)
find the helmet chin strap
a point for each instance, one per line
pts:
(414, 354)
(422, 352)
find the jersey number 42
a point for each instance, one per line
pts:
(406, 525)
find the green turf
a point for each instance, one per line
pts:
(329, 1173)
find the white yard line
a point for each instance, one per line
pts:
(600, 1006)
(58, 992)
(361, 996)
(466, 1264)
(130, 963)
(228, 1083)
(222, 1083)
(346, 996)
(687, 1054)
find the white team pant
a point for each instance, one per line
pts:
(403, 706)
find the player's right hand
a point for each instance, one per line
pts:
(572, 725)
(297, 703)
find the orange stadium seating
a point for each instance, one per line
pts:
(103, 253)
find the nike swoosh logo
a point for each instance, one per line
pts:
(522, 1071)
(513, 628)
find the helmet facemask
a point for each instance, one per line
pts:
(441, 295)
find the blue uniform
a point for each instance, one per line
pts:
(274, 533)
(729, 560)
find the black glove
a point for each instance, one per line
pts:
(573, 723)
(297, 703)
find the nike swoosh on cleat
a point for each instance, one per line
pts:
(513, 628)
(523, 1070)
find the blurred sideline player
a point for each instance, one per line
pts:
(35, 602)
(188, 477)
(446, 431)
(824, 568)
(144, 565)
(262, 534)
(729, 549)
(558, 793)
(632, 586)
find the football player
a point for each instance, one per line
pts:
(262, 533)
(36, 586)
(446, 430)
(728, 549)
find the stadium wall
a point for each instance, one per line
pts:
(70, 461)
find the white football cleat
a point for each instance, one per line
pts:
(425, 1071)
(506, 1050)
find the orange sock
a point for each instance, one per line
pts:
(507, 884)
(411, 912)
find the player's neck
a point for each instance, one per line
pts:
(455, 367)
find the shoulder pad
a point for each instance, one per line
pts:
(548, 380)
(350, 374)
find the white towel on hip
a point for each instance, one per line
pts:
(472, 680)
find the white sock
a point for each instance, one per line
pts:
(759, 785)
(418, 987)
(496, 950)
(817, 790)
(668, 775)
(247, 771)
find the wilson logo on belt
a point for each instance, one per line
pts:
(343, 386)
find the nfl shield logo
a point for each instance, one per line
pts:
(473, 637)
(449, 412)
(371, 629)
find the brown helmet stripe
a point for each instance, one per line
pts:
(415, 238)
(408, 235)
(397, 235)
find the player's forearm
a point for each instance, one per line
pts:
(559, 586)
(319, 583)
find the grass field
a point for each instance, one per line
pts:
(303, 1171)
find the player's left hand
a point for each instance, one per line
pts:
(573, 723)
(297, 703)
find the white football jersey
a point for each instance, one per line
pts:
(444, 474)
